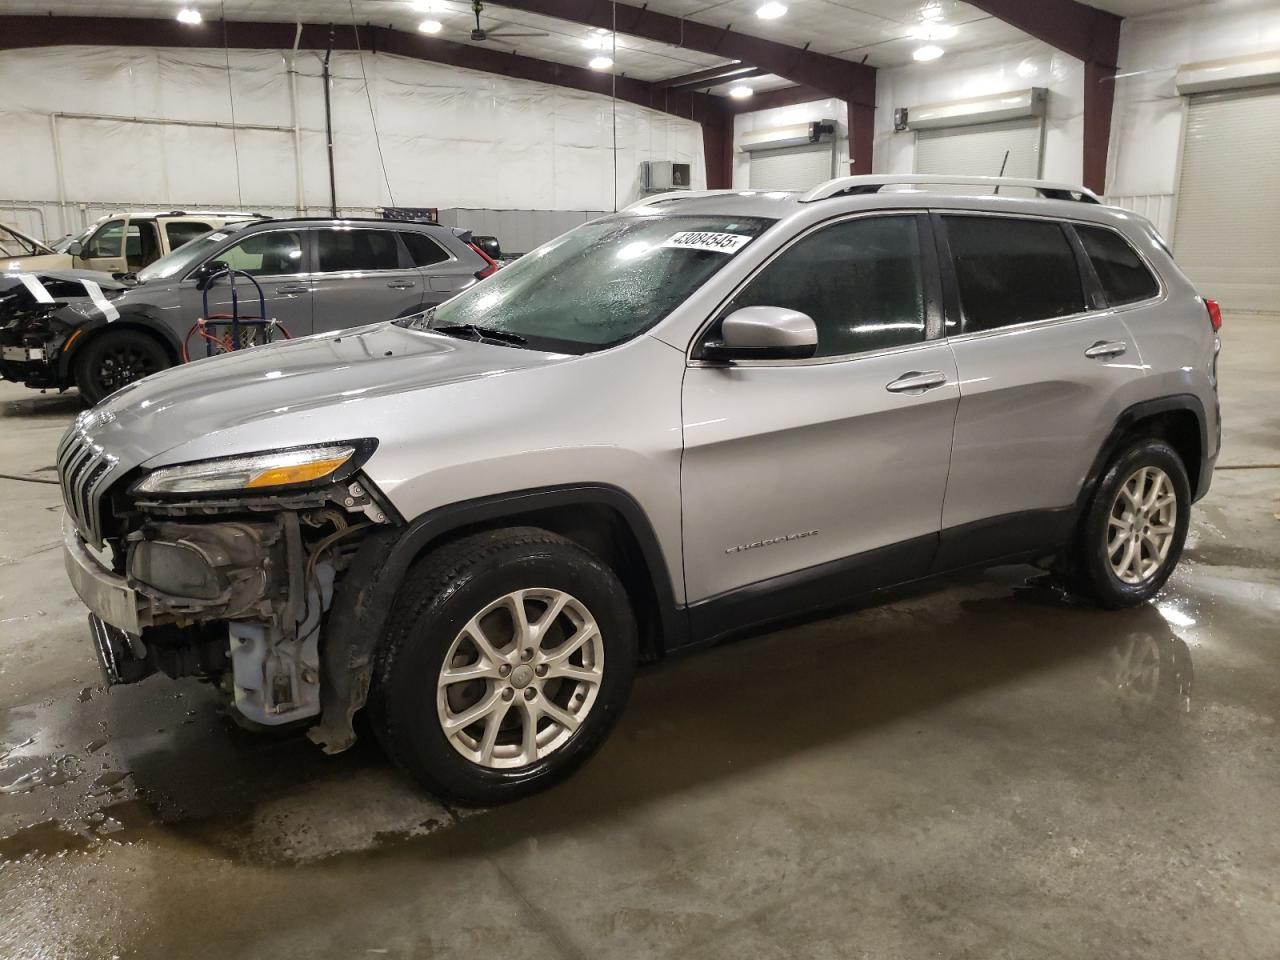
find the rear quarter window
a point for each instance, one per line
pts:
(1125, 278)
(423, 251)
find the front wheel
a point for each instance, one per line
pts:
(508, 657)
(1134, 530)
(114, 359)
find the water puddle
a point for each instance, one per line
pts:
(24, 774)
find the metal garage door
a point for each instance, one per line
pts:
(978, 150)
(1227, 232)
(792, 168)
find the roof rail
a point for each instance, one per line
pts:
(872, 183)
(673, 195)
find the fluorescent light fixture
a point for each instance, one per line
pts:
(933, 31)
(430, 26)
(740, 92)
(929, 51)
(190, 16)
(771, 10)
(600, 63)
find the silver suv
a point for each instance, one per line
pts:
(308, 275)
(676, 423)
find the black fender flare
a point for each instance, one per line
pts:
(363, 601)
(1124, 424)
(131, 318)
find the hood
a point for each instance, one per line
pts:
(39, 261)
(291, 393)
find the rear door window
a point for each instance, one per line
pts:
(342, 250)
(1011, 271)
(423, 251)
(183, 231)
(1123, 274)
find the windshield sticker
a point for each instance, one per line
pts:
(702, 240)
(217, 236)
(100, 301)
(35, 288)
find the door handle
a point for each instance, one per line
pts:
(1105, 349)
(293, 288)
(916, 382)
(401, 284)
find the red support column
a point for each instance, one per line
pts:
(1099, 98)
(862, 123)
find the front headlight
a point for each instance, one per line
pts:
(301, 466)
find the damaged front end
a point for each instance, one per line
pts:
(222, 570)
(43, 314)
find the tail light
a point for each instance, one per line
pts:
(492, 264)
(1215, 314)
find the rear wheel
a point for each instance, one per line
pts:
(508, 657)
(114, 359)
(1134, 530)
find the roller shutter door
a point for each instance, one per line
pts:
(1227, 233)
(792, 168)
(978, 149)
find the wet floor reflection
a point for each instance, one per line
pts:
(162, 759)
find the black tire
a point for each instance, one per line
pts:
(441, 594)
(1093, 575)
(114, 359)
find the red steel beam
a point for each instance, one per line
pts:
(1088, 34)
(855, 82)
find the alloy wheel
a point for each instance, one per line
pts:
(1140, 530)
(520, 678)
(123, 365)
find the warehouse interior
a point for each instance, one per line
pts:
(978, 767)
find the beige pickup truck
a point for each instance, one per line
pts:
(117, 243)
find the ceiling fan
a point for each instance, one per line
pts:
(479, 34)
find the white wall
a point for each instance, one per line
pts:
(1018, 66)
(1146, 125)
(753, 120)
(450, 137)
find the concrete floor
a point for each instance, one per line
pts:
(978, 771)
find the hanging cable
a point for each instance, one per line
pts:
(613, 100)
(231, 99)
(377, 139)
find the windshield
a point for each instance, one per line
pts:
(186, 256)
(61, 245)
(598, 285)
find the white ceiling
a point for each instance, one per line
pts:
(881, 31)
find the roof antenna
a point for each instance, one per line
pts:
(1003, 164)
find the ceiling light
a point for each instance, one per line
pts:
(189, 15)
(928, 52)
(771, 11)
(931, 11)
(600, 63)
(740, 92)
(933, 31)
(430, 26)
(598, 41)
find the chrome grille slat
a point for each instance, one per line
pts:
(83, 471)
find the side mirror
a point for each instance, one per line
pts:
(75, 248)
(763, 333)
(207, 270)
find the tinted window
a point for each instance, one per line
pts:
(1013, 271)
(267, 254)
(181, 232)
(423, 251)
(107, 242)
(859, 280)
(352, 249)
(1125, 278)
